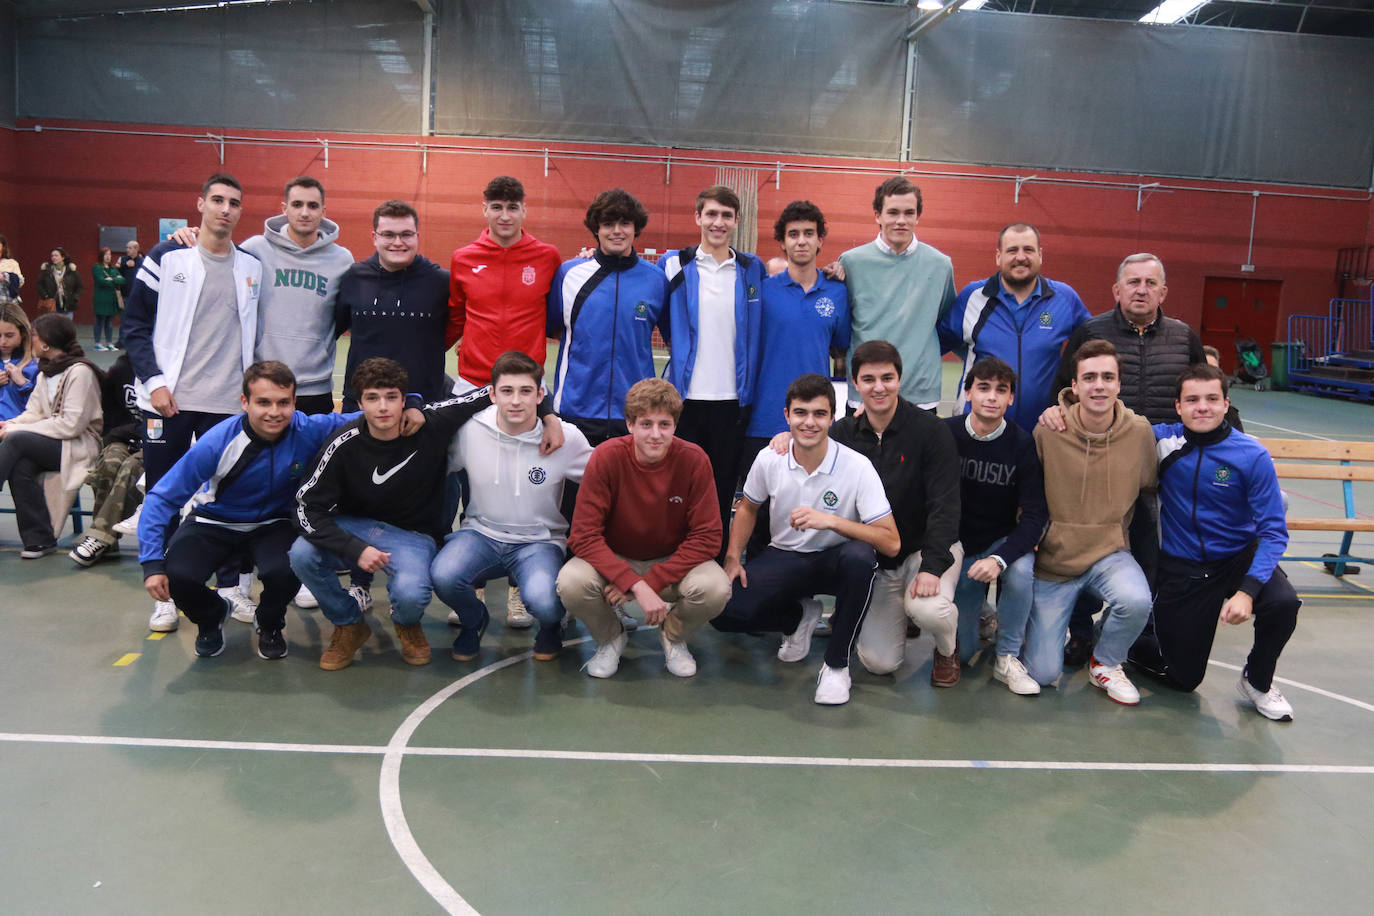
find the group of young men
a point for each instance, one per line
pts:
(902, 516)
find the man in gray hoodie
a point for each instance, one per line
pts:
(513, 526)
(302, 264)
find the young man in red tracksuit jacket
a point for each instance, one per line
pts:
(646, 529)
(498, 287)
(498, 292)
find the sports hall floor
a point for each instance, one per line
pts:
(135, 778)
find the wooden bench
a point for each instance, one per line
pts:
(1346, 462)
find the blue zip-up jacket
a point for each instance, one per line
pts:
(1029, 337)
(603, 310)
(680, 267)
(1218, 494)
(234, 477)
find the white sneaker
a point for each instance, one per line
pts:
(606, 661)
(1114, 681)
(305, 598)
(987, 622)
(677, 658)
(832, 686)
(797, 645)
(164, 619)
(1271, 705)
(1009, 670)
(130, 524)
(362, 596)
(92, 549)
(454, 620)
(517, 617)
(243, 608)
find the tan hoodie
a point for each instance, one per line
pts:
(1091, 485)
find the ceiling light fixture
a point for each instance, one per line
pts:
(1172, 11)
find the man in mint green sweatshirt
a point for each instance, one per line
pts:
(899, 291)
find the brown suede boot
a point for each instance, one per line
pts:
(414, 646)
(346, 640)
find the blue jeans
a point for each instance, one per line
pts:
(407, 574)
(470, 558)
(1117, 580)
(104, 324)
(1014, 596)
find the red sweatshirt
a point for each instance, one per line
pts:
(498, 301)
(627, 509)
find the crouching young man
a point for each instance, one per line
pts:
(1003, 516)
(512, 525)
(914, 456)
(1095, 471)
(1223, 532)
(646, 528)
(827, 515)
(240, 478)
(370, 502)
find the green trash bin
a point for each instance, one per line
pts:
(1285, 352)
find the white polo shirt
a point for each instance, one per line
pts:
(713, 369)
(845, 484)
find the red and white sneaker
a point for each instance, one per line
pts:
(1114, 681)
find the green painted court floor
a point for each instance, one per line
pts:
(135, 778)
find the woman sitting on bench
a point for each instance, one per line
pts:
(59, 431)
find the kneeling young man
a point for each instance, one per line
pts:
(240, 478)
(827, 515)
(1094, 472)
(1003, 517)
(914, 455)
(371, 502)
(1223, 533)
(646, 528)
(512, 525)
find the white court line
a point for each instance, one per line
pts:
(1340, 698)
(1285, 429)
(498, 753)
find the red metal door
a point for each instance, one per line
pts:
(1234, 307)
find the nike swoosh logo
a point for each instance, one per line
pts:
(380, 479)
(479, 268)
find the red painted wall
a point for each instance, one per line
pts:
(67, 183)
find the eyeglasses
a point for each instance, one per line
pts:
(407, 236)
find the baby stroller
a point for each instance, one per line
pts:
(1250, 368)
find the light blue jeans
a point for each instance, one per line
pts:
(407, 574)
(1014, 597)
(1117, 580)
(470, 558)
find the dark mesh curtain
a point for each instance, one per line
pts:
(741, 74)
(1041, 91)
(346, 65)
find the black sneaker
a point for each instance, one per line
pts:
(210, 642)
(1077, 652)
(271, 644)
(469, 641)
(548, 642)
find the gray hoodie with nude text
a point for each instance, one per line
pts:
(296, 304)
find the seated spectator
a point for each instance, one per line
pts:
(647, 529)
(370, 502)
(58, 434)
(18, 368)
(1223, 533)
(240, 478)
(1003, 516)
(114, 476)
(512, 525)
(827, 515)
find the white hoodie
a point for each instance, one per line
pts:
(515, 491)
